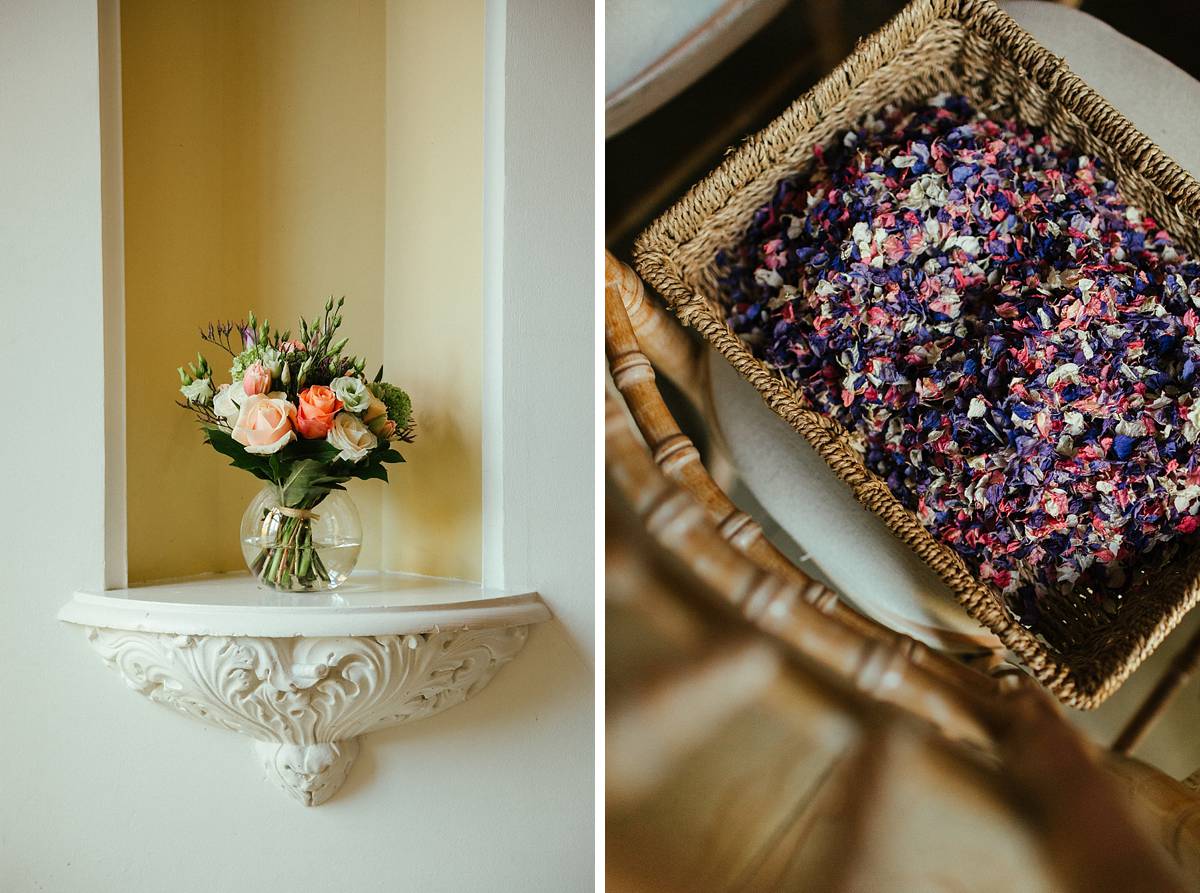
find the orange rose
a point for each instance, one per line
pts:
(318, 405)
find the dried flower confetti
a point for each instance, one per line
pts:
(1012, 345)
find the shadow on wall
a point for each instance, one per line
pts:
(542, 687)
(431, 511)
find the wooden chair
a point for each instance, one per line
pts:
(749, 630)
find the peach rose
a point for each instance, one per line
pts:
(256, 379)
(318, 405)
(264, 423)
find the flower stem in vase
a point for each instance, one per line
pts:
(288, 559)
(306, 552)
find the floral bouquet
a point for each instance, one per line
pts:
(300, 415)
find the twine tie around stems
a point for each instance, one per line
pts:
(302, 514)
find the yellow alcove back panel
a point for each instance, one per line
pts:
(434, 261)
(260, 173)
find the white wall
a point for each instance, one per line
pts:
(101, 790)
(541, 432)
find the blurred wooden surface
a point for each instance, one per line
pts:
(732, 768)
(818, 733)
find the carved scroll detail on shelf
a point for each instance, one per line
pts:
(306, 700)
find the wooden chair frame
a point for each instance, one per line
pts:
(1002, 711)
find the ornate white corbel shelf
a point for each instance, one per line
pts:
(306, 675)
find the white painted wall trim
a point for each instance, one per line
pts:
(540, 297)
(495, 33)
(112, 238)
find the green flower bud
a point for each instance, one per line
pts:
(184, 378)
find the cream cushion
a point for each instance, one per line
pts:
(638, 33)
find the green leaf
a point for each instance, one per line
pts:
(371, 472)
(308, 478)
(310, 449)
(305, 470)
(222, 441)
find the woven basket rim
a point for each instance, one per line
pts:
(1079, 683)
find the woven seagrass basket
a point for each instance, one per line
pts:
(972, 47)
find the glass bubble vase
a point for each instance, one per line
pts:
(301, 549)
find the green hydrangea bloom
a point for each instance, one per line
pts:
(398, 403)
(243, 361)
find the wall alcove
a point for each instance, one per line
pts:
(264, 156)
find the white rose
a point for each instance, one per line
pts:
(351, 437)
(225, 405)
(199, 391)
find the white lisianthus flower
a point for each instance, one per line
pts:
(225, 403)
(272, 361)
(351, 437)
(199, 391)
(353, 393)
